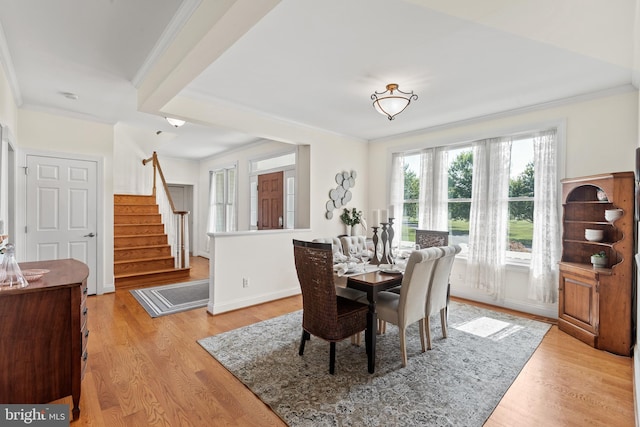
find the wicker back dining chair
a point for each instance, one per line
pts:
(407, 308)
(324, 314)
(438, 295)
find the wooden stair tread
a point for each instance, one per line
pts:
(148, 260)
(139, 235)
(156, 258)
(142, 247)
(167, 270)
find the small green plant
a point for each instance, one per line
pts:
(601, 254)
(351, 217)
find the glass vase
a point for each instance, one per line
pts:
(13, 275)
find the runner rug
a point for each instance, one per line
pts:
(457, 383)
(169, 299)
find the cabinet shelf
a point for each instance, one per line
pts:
(588, 268)
(587, 222)
(588, 202)
(590, 243)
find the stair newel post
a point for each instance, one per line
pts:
(181, 237)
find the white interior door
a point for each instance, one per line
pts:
(62, 211)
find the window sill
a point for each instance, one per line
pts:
(512, 263)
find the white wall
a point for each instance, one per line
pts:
(266, 257)
(600, 136)
(44, 132)
(9, 121)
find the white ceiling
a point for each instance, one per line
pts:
(306, 63)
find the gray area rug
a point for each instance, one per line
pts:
(169, 299)
(457, 383)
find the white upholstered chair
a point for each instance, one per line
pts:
(336, 245)
(408, 307)
(357, 243)
(438, 294)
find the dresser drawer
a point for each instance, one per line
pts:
(84, 314)
(83, 363)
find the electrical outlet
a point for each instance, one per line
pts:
(245, 282)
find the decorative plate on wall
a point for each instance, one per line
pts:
(341, 195)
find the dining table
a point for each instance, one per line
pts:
(373, 282)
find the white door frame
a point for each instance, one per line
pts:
(21, 216)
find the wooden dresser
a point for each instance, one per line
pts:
(43, 335)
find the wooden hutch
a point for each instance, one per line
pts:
(595, 304)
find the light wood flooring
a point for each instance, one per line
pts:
(152, 372)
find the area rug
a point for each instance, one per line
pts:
(457, 383)
(169, 299)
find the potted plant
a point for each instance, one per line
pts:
(599, 260)
(351, 218)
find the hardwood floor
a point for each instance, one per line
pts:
(152, 372)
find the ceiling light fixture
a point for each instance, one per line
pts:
(392, 101)
(175, 122)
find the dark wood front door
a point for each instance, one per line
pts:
(270, 201)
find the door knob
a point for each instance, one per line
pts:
(90, 235)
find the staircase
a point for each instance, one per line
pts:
(141, 253)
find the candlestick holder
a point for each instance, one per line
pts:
(385, 241)
(374, 259)
(391, 234)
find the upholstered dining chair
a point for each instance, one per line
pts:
(336, 244)
(353, 244)
(407, 307)
(324, 314)
(438, 294)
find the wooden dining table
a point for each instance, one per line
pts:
(371, 283)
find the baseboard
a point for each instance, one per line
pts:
(214, 308)
(107, 289)
(512, 304)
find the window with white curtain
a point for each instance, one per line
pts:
(497, 197)
(458, 167)
(222, 200)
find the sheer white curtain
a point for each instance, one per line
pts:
(488, 222)
(545, 249)
(433, 206)
(396, 195)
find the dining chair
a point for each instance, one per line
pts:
(438, 294)
(324, 314)
(408, 307)
(353, 244)
(336, 244)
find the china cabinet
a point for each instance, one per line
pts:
(595, 303)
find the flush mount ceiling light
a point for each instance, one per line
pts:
(392, 101)
(175, 122)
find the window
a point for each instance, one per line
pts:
(222, 200)
(458, 167)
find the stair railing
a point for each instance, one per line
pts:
(175, 222)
